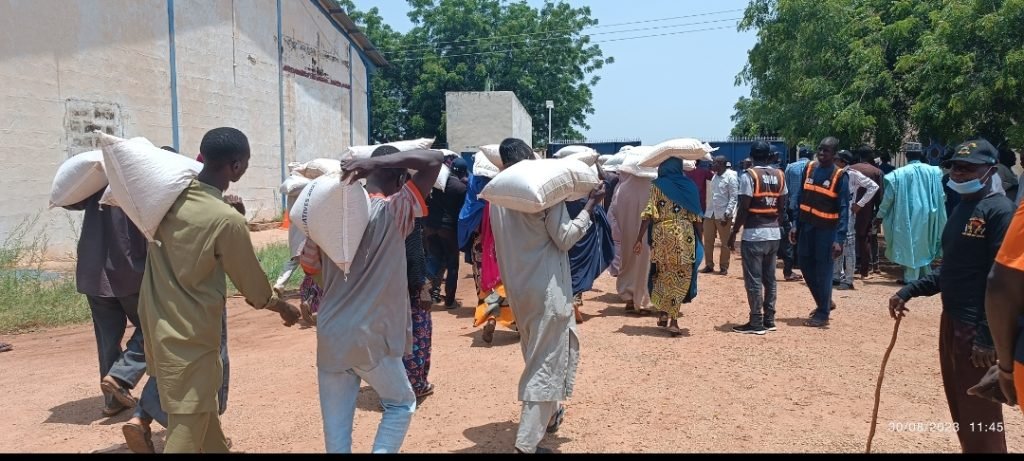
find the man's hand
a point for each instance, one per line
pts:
(897, 307)
(355, 169)
(991, 388)
(983, 357)
(290, 314)
(732, 241)
(638, 248)
(792, 236)
(232, 199)
(837, 250)
(855, 208)
(597, 195)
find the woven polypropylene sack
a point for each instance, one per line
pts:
(145, 180)
(334, 215)
(533, 186)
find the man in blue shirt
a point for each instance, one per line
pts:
(822, 201)
(794, 177)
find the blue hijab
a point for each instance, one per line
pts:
(677, 187)
(472, 213)
(592, 255)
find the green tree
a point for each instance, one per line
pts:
(968, 72)
(480, 45)
(883, 71)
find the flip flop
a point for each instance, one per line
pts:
(663, 320)
(675, 331)
(138, 438)
(795, 278)
(110, 386)
(556, 420)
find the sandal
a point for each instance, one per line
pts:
(663, 320)
(488, 335)
(795, 278)
(138, 438)
(425, 392)
(556, 420)
(675, 331)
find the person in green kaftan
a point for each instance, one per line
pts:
(183, 294)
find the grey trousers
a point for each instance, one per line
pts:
(149, 408)
(759, 279)
(533, 424)
(110, 317)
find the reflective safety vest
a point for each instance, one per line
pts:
(819, 203)
(764, 204)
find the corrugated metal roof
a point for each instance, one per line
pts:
(349, 28)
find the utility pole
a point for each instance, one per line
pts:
(550, 105)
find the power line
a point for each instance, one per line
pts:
(537, 40)
(599, 41)
(647, 21)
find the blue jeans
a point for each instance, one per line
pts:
(338, 394)
(149, 408)
(814, 246)
(759, 279)
(110, 317)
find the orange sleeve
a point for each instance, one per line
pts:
(1011, 254)
(422, 202)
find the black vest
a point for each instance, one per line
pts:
(764, 204)
(819, 203)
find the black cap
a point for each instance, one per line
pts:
(980, 152)
(846, 156)
(760, 148)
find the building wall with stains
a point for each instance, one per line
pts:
(69, 68)
(475, 119)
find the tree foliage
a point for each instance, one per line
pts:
(482, 45)
(883, 71)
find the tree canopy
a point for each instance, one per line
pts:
(884, 71)
(482, 45)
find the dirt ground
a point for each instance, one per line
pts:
(794, 390)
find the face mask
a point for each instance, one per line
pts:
(970, 187)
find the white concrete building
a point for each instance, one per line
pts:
(475, 119)
(291, 74)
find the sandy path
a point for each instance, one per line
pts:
(794, 390)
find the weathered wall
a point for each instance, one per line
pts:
(522, 123)
(68, 67)
(226, 56)
(474, 119)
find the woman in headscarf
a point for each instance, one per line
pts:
(671, 223)
(476, 238)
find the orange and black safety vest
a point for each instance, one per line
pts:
(764, 204)
(819, 203)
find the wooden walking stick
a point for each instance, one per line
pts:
(881, 375)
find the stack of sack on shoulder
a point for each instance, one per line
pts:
(533, 186)
(331, 213)
(683, 148)
(140, 178)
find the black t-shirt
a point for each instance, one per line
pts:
(972, 237)
(445, 206)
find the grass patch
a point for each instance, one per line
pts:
(272, 259)
(31, 298)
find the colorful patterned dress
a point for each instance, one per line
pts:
(673, 253)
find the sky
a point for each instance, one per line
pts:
(660, 87)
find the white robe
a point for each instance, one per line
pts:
(533, 254)
(628, 204)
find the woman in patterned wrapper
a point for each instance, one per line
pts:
(671, 223)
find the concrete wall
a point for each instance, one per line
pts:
(69, 67)
(476, 119)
